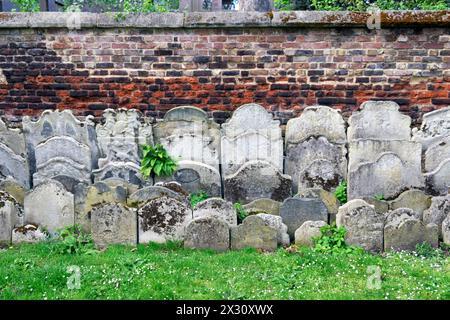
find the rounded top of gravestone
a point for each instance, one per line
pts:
(186, 113)
(317, 121)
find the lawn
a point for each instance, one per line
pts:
(40, 271)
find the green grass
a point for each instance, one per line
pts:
(169, 272)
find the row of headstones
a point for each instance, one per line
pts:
(117, 213)
(246, 152)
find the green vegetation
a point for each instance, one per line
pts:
(40, 271)
(27, 5)
(379, 197)
(240, 212)
(341, 192)
(156, 160)
(361, 5)
(72, 240)
(332, 240)
(197, 197)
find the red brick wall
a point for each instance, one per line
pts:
(218, 70)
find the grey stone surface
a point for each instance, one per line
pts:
(250, 134)
(363, 224)
(414, 199)
(438, 181)
(263, 205)
(49, 205)
(316, 161)
(195, 177)
(127, 171)
(14, 189)
(437, 153)
(277, 223)
(87, 197)
(446, 230)
(207, 233)
(328, 198)
(309, 230)
(388, 175)
(218, 208)
(152, 192)
(295, 211)
(254, 233)
(379, 120)
(256, 5)
(435, 128)
(403, 231)
(113, 223)
(438, 211)
(163, 219)
(381, 206)
(10, 216)
(257, 179)
(432, 235)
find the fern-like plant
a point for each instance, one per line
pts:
(341, 192)
(155, 160)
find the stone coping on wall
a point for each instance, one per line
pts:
(222, 19)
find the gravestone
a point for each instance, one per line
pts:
(437, 153)
(446, 230)
(438, 211)
(257, 179)
(328, 198)
(207, 233)
(250, 134)
(263, 205)
(13, 156)
(113, 223)
(306, 233)
(14, 189)
(10, 217)
(49, 205)
(254, 233)
(28, 234)
(295, 211)
(434, 129)
(277, 223)
(413, 199)
(218, 208)
(363, 224)
(163, 219)
(379, 120)
(438, 181)
(152, 192)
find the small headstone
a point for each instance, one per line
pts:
(254, 233)
(328, 198)
(263, 205)
(218, 208)
(414, 199)
(277, 223)
(10, 217)
(363, 224)
(309, 230)
(149, 193)
(257, 179)
(163, 219)
(438, 211)
(207, 233)
(435, 127)
(296, 211)
(381, 206)
(438, 181)
(49, 205)
(113, 223)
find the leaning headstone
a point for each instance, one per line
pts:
(438, 181)
(195, 177)
(363, 224)
(379, 120)
(328, 198)
(251, 134)
(263, 205)
(218, 208)
(49, 205)
(10, 217)
(28, 234)
(163, 219)
(93, 195)
(438, 211)
(295, 211)
(388, 176)
(113, 223)
(254, 233)
(403, 231)
(257, 179)
(381, 206)
(446, 230)
(277, 223)
(13, 155)
(413, 199)
(207, 233)
(435, 128)
(306, 233)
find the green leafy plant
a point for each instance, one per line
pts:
(332, 241)
(379, 197)
(27, 5)
(72, 240)
(155, 160)
(341, 192)
(425, 250)
(240, 212)
(197, 197)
